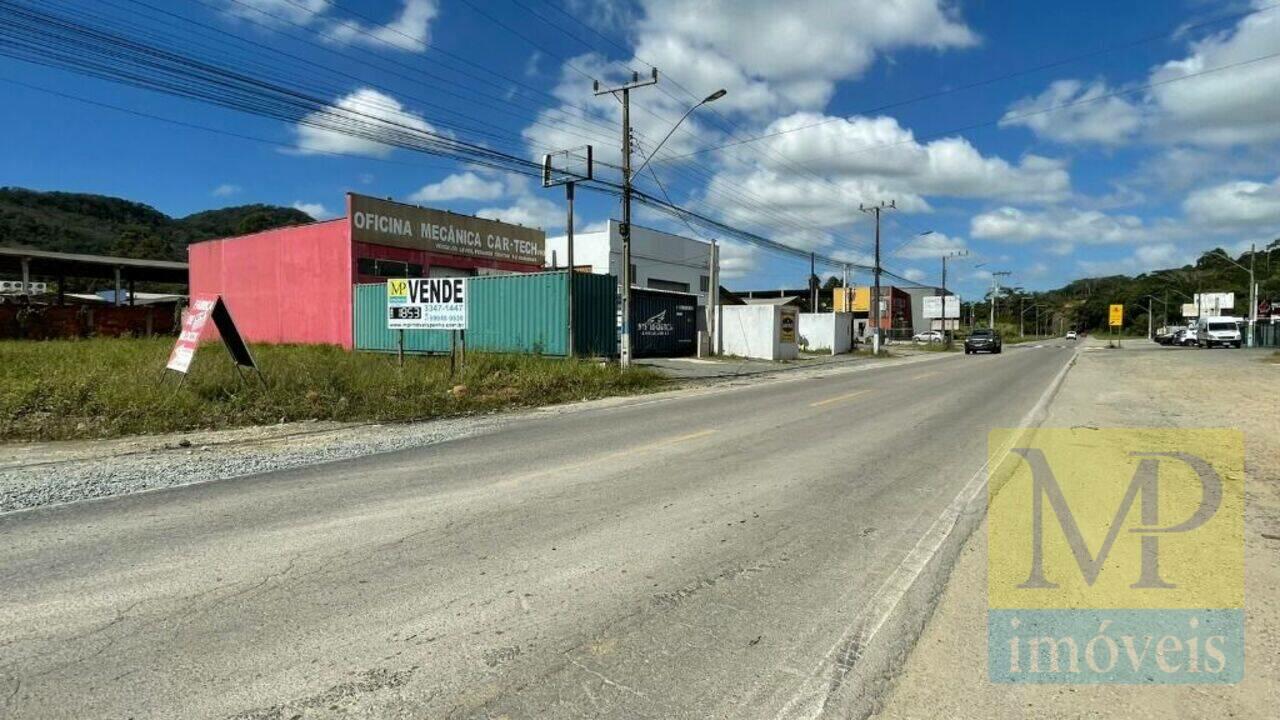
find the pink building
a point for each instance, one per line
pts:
(294, 284)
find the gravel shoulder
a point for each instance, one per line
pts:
(1143, 385)
(48, 473)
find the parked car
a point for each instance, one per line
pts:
(1167, 335)
(1071, 334)
(1212, 331)
(1184, 337)
(983, 340)
(928, 336)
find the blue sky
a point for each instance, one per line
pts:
(1151, 135)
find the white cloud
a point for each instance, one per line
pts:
(914, 274)
(787, 55)
(1158, 256)
(1225, 91)
(879, 149)
(226, 190)
(315, 210)
(460, 186)
(1240, 105)
(771, 57)
(1067, 226)
(818, 176)
(409, 30)
(933, 245)
(321, 133)
(1241, 203)
(1096, 118)
(528, 210)
(277, 11)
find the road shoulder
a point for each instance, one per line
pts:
(946, 673)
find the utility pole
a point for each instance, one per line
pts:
(568, 233)
(813, 282)
(624, 228)
(875, 297)
(713, 299)
(995, 292)
(946, 334)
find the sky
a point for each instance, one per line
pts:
(1050, 140)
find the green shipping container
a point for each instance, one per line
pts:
(506, 313)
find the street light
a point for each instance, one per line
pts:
(708, 99)
(1253, 300)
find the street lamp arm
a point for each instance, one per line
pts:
(708, 99)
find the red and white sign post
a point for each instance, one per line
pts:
(195, 318)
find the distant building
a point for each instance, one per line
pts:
(917, 293)
(659, 260)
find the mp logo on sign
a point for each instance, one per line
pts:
(1116, 556)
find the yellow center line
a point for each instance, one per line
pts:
(838, 398)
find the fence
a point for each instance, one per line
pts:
(525, 313)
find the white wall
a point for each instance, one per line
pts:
(753, 331)
(656, 255)
(826, 331)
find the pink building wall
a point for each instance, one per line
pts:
(289, 285)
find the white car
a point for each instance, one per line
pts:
(1071, 334)
(928, 336)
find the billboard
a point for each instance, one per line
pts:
(383, 222)
(1117, 316)
(1215, 303)
(936, 306)
(427, 304)
(1189, 310)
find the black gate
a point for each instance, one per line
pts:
(664, 324)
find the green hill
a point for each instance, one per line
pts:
(102, 225)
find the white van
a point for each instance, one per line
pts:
(1212, 331)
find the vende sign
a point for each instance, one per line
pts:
(427, 304)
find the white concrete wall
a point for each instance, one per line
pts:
(655, 254)
(825, 331)
(753, 331)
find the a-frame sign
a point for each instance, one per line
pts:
(195, 318)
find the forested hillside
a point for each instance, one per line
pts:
(102, 225)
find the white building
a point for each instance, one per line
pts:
(659, 260)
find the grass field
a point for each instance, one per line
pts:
(98, 388)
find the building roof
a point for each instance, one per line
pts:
(56, 264)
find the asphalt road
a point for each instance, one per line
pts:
(694, 554)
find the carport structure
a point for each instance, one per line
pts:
(59, 266)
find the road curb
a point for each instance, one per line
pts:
(876, 644)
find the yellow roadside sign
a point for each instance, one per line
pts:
(1117, 315)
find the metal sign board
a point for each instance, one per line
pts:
(1189, 310)
(383, 222)
(195, 318)
(1117, 316)
(787, 326)
(427, 304)
(938, 306)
